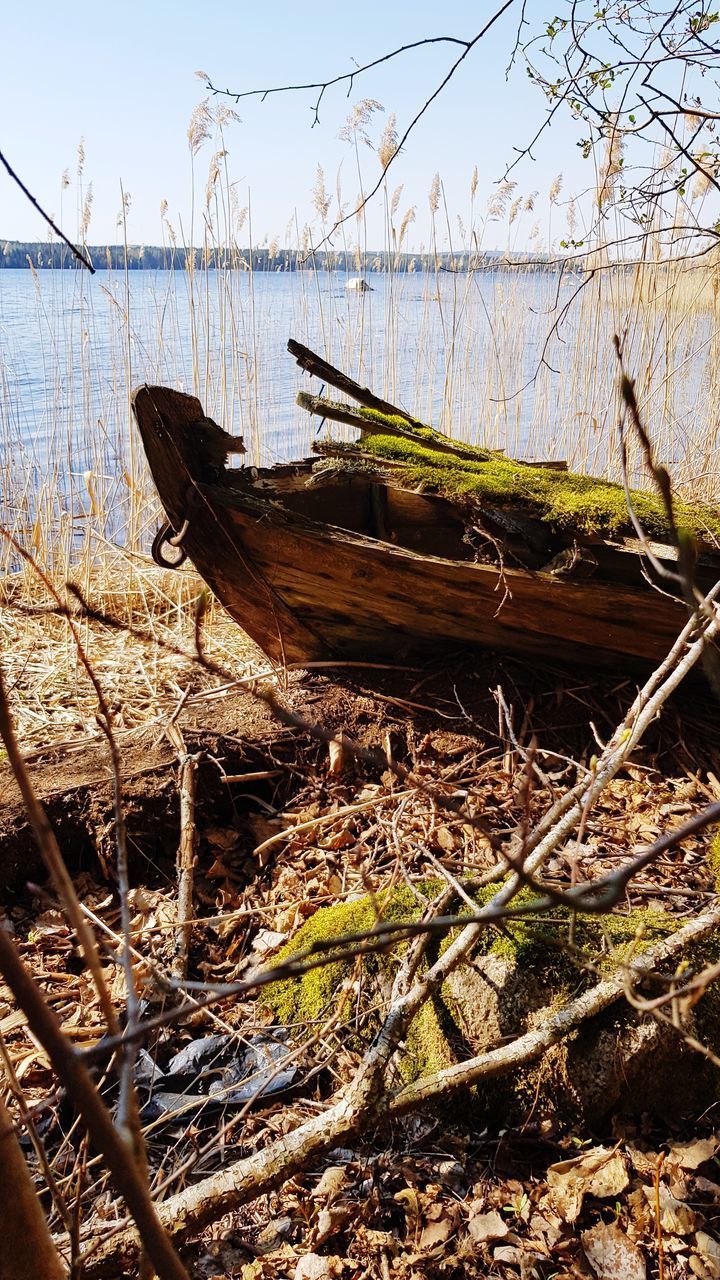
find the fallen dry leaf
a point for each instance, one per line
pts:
(488, 1226)
(600, 1172)
(543, 1229)
(408, 1198)
(445, 839)
(675, 1217)
(273, 1235)
(690, 1155)
(267, 940)
(314, 1267)
(642, 1222)
(339, 839)
(338, 753)
(708, 1187)
(331, 1183)
(644, 1162)
(507, 1253)
(225, 838)
(330, 1221)
(706, 1262)
(435, 1233)
(611, 1255)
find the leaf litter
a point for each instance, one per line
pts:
(431, 1196)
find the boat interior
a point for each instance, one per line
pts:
(363, 502)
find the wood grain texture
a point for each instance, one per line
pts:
(318, 367)
(305, 589)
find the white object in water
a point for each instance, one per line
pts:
(358, 284)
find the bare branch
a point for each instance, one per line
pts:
(358, 1108)
(27, 1246)
(54, 861)
(557, 1024)
(74, 1075)
(73, 248)
(323, 85)
(466, 45)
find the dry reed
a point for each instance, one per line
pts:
(518, 358)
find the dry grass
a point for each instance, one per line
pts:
(515, 359)
(50, 695)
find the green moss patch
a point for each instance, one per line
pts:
(562, 499)
(534, 945)
(305, 999)
(713, 860)
(395, 420)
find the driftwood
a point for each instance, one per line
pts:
(327, 372)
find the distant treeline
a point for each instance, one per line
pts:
(19, 253)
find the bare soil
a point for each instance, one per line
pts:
(448, 707)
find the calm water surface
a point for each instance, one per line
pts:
(465, 353)
(70, 344)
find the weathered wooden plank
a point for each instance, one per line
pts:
(306, 589)
(352, 417)
(320, 368)
(370, 596)
(185, 450)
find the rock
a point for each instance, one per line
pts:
(612, 1063)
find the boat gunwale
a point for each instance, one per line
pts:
(271, 507)
(201, 494)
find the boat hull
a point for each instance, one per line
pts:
(366, 598)
(304, 589)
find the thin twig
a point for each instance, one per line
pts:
(187, 771)
(73, 248)
(118, 1154)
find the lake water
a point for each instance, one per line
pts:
(481, 356)
(69, 341)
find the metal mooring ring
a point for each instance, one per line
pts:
(166, 536)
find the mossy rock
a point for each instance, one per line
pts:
(309, 998)
(569, 503)
(613, 1062)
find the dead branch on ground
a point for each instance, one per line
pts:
(187, 773)
(117, 1152)
(360, 1106)
(26, 1250)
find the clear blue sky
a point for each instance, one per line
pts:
(122, 78)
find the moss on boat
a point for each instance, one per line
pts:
(566, 501)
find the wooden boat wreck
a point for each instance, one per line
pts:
(410, 541)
